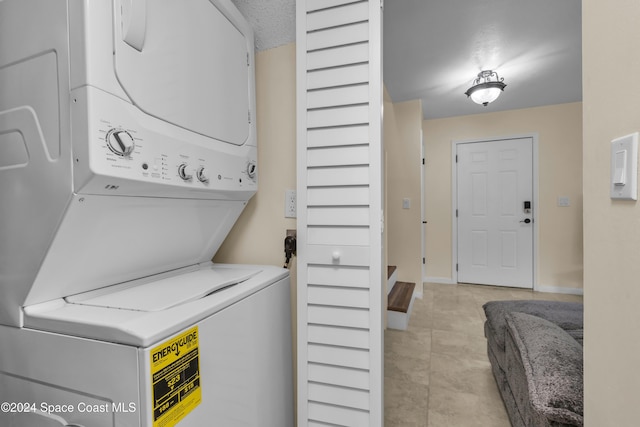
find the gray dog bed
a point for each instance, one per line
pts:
(535, 350)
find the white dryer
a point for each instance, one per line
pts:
(127, 153)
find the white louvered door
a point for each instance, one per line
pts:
(339, 152)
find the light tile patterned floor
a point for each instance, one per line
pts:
(437, 373)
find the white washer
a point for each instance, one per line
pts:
(127, 153)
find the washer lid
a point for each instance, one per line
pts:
(158, 295)
(187, 62)
(144, 328)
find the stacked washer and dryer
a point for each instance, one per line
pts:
(127, 153)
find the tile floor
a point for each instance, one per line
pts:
(436, 372)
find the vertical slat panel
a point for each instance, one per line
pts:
(358, 215)
(337, 56)
(337, 415)
(333, 17)
(347, 175)
(339, 173)
(344, 337)
(338, 116)
(337, 356)
(330, 275)
(347, 196)
(313, 5)
(327, 137)
(332, 77)
(341, 156)
(338, 316)
(339, 376)
(342, 236)
(339, 396)
(338, 297)
(346, 95)
(349, 34)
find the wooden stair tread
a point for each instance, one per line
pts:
(390, 270)
(400, 297)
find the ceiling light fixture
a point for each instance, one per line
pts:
(486, 87)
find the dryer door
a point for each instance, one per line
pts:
(187, 62)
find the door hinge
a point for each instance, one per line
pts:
(248, 59)
(249, 116)
(456, 213)
(456, 267)
(382, 4)
(424, 260)
(456, 158)
(423, 160)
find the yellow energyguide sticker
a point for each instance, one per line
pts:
(175, 378)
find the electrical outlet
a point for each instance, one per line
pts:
(290, 202)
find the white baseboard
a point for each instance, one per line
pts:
(442, 280)
(559, 290)
(539, 288)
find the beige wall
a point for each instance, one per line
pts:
(559, 131)
(611, 66)
(258, 236)
(402, 126)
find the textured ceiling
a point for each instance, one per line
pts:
(273, 21)
(433, 49)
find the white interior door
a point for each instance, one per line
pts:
(495, 212)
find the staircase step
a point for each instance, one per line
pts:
(390, 270)
(391, 278)
(400, 297)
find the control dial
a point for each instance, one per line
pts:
(182, 172)
(202, 174)
(251, 170)
(120, 142)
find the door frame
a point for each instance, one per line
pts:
(454, 200)
(423, 219)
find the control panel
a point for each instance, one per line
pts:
(130, 154)
(123, 151)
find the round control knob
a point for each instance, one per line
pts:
(120, 142)
(251, 170)
(182, 172)
(202, 175)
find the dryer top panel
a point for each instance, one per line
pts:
(187, 63)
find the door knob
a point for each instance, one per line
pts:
(526, 220)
